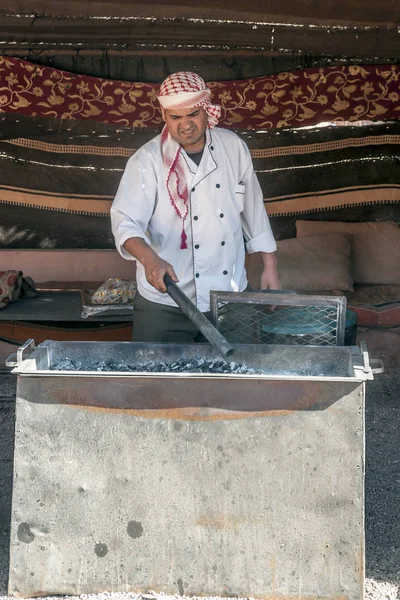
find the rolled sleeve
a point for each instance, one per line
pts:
(261, 243)
(255, 222)
(134, 202)
(124, 228)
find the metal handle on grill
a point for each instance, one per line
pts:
(14, 360)
(377, 366)
(202, 323)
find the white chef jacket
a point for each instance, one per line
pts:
(226, 213)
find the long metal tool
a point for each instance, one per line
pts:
(196, 316)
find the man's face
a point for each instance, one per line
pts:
(187, 127)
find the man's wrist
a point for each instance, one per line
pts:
(147, 255)
(138, 248)
(269, 259)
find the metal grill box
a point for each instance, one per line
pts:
(198, 484)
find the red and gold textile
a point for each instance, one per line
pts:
(295, 98)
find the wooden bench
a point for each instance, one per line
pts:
(53, 306)
(56, 315)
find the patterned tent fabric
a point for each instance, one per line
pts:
(65, 140)
(300, 97)
(56, 190)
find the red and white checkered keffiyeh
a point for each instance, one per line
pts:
(188, 90)
(179, 91)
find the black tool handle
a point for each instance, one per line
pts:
(196, 316)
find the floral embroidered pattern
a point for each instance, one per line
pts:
(295, 98)
(10, 286)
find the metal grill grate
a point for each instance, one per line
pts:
(279, 318)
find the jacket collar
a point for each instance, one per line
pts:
(207, 164)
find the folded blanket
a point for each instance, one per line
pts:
(14, 286)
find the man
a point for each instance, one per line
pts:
(184, 204)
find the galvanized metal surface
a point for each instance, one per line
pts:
(197, 486)
(271, 361)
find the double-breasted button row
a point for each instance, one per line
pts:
(197, 275)
(217, 185)
(196, 246)
(195, 218)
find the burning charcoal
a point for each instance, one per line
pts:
(192, 365)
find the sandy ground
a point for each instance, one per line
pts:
(382, 488)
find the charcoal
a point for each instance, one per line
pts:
(67, 364)
(182, 365)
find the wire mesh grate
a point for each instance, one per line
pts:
(282, 318)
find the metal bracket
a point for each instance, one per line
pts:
(365, 357)
(14, 360)
(369, 366)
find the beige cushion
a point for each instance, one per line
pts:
(375, 247)
(314, 263)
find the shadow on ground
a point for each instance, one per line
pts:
(382, 482)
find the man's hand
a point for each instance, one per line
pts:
(154, 266)
(155, 269)
(269, 276)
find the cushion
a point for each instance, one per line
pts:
(374, 295)
(375, 247)
(313, 263)
(375, 305)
